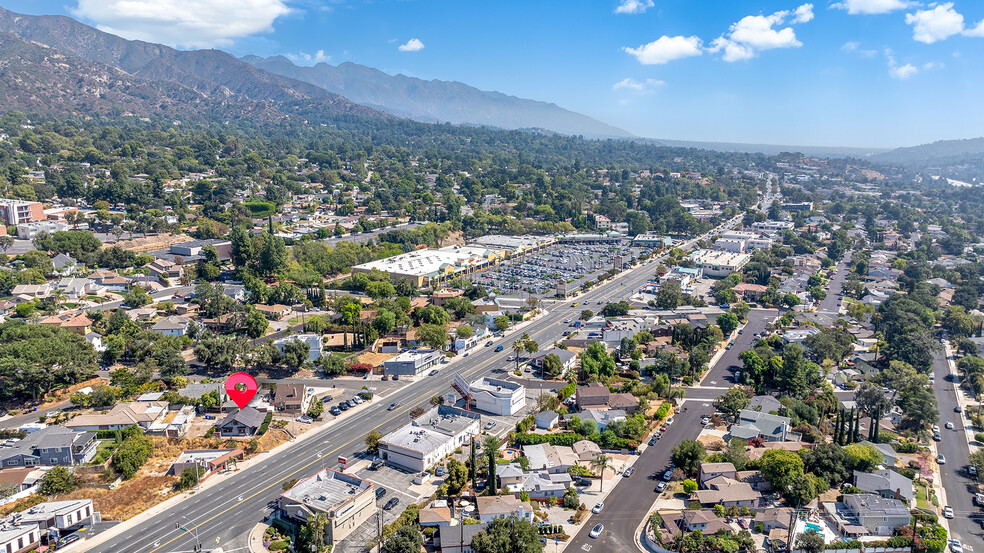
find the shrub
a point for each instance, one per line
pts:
(266, 424)
(759, 527)
(979, 437)
(689, 486)
(281, 545)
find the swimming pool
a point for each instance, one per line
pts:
(814, 527)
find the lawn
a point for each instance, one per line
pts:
(103, 451)
(923, 500)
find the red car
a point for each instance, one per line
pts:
(743, 524)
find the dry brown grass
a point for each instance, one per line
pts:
(713, 443)
(375, 359)
(273, 438)
(130, 498)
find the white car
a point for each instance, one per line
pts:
(669, 421)
(956, 546)
(949, 426)
(940, 459)
(948, 512)
(597, 508)
(305, 419)
(596, 531)
(705, 421)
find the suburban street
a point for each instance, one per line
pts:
(227, 510)
(959, 486)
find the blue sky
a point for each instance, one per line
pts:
(867, 73)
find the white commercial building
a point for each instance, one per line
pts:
(490, 395)
(429, 438)
(413, 362)
(753, 240)
(424, 266)
(719, 264)
(772, 227)
(27, 231)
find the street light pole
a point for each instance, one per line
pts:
(198, 543)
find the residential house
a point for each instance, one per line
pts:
(690, 520)
(243, 423)
(765, 404)
(76, 288)
(623, 402)
(73, 321)
(28, 292)
(274, 312)
(315, 348)
(64, 265)
(139, 413)
(457, 538)
(594, 395)
(586, 450)
(728, 492)
(435, 517)
(492, 507)
(550, 458)
(886, 483)
(345, 500)
(773, 518)
(293, 398)
(889, 456)
(53, 445)
(211, 460)
(602, 418)
(709, 471)
(196, 391)
(750, 292)
(491, 395)
(878, 515)
(174, 326)
(162, 268)
(568, 359)
(755, 424)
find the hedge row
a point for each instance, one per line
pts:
(266, 424)
(663, 410)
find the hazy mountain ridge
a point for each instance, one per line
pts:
(947, 152)
(222, 84)
(437, 101)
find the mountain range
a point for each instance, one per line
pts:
(59, 65)
(437, 101)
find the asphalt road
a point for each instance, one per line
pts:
(227, 510)
(959, 486)
(831, 303)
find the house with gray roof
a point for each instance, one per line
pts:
(765, 404)
(878, 515)
(886, 483)
(601, 418)
(889, 456)
(755, 424)
(242, 424)
(52, 445)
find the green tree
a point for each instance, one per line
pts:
(508, 535)
(781, 468)
(190, 477)
(669, 295)
(295, 353)
(132, 454)
(732, 402)
(586, 314)
(687, 455)
(552, 366)
(274, 259)
(740, 309)
(501, 323)
(241, 250)
(372, 441)
(728, 323)
(255, 324)
(406, 539)
(331, 364)
(862, 457)
(57, 481)
(170, 364)
(810, 542)
(790, 300)
(312, 535)
(432, 335)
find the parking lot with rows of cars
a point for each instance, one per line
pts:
(538, 273)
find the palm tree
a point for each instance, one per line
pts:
(600, 463)
(518, 347)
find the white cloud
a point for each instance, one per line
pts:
(933, 65)
(303, 58)
(975, 31)
(903, 72)
(183, 23)
(644, 87)
(936, 24)
(666, 49)
(854, 47)
(634, 6)
(412, 45)
(753, 34)
(803, 13)
(871, 7)
(900, 72)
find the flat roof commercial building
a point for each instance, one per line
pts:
(424, 267)
(494, 396)
(15, 212)
(346, 501)
(413, 362)
(717, 264)
(420, 444)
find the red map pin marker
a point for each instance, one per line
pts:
(241, 388)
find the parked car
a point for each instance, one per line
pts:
(948, 512)
(652, 441)
(380, 492)
(597, 530)
(439, 471)
(958, 409)
(393, 502)
(956, 546)
(335, 410)
(705, 421)
(489, 425)
(628, 472)
(396, 377)
(972, 470)
(669, 421)
(305, 419)
(660, 487)
(743, 523)
(667, 475)
(327, 399)
(940, 459)
(344, 406)
(67, 540)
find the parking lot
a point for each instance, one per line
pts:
(538, 273)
